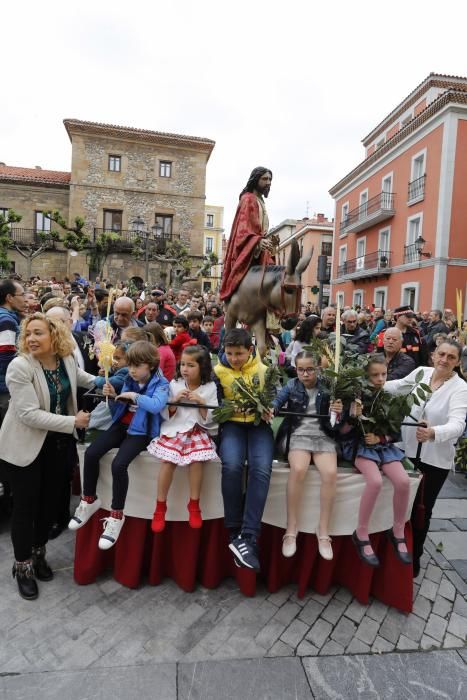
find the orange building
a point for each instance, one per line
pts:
(401, 214)
(315, 233)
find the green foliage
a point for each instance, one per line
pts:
(249, 397)
(460, 458)
(5, 237)
(209, 261)
(74, 237)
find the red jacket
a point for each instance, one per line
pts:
(179, 342)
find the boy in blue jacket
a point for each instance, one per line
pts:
(136, 421)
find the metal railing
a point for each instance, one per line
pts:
(412, 253)
(27, 236)
(384, 201)
(416, 189)
(377, 261)
(128, 239)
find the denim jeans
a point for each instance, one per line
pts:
(255, 444)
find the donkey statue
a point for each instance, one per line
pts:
(272, 288)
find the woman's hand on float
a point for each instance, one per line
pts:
(425, 434)
(82, 419)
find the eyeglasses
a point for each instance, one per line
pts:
(19, 295)
(306, 370)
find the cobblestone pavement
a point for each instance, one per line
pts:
(104, 625)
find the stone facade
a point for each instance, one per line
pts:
(137, 189)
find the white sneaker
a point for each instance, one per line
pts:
(289, 545)
(82, 514)
(111, 532)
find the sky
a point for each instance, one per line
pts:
(293, 86)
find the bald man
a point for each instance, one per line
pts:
(122, 317)
(399, 364)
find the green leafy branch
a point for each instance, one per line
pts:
(249, 398)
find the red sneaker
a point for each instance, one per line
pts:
(158, 519)
(195, 520)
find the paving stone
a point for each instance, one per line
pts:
(367, 630)
(433, 573)
(287, 613)
(459, 583)
(436, 627)
(460, 523)
(377, 611)
(311, 612)
(324, 599)
(460, 606)
(344, 595)
(294, 633)
(344, 631)
(452, 642)
(449, 508)
(333, 611)
(261, 679)
(269, 634)
(437, 525)
(422, 607)
(390, 630)
(381, 645)
(447, 589)
(406, 644)
(440, 674)
(332, 648)
(319, 633)
(454, 543)
(280, 649)
(428, 589)
(442, 607)
(413, 627)
(357, 647)
(460, 565)
(437, 557)
(428, 643)
(279, 597)
(307, 649)
(458, 626)
(454, 487)
(356, 611)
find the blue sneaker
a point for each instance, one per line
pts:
(246, 551)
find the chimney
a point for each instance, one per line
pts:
(321, 217)
(38, 167)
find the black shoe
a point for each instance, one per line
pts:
(27, 584)
(41, 568)
(404, 557)
(245, 550)
(56, 530)
(370, 559)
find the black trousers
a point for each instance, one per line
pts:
(35, 491)
(129, 447)
(433, 478)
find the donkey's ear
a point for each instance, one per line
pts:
(304, 262)
(294, 257)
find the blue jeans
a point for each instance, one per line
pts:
(254, 443)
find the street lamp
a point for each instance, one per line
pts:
(138, 227)
(419, 245)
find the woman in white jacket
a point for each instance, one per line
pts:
(35, 438)
(444, 413)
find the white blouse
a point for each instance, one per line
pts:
(445, 412)
(184, 419)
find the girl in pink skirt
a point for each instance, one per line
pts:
(184, 439)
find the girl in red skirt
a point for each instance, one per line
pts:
(184, 439)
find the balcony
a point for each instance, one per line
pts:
(371, 265)
(372, 212)
(128, 239)
(412, 253)
(28, 236)
(416, 190)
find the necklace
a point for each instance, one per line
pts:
(438, 383)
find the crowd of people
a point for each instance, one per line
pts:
(173, 362)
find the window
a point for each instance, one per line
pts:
(379, 143)
(380, 297)
(384, 239)
(363, 211)
(418, 166)
(210, 220)
(342, 254)
(361, 247)
(41, 222)
(344, 214)
(166, 223)
(416, 191)
(409, 294)
(357, 299)
(414, 228)
(4, 213)
(165, 168)
(113, 219)
(209, 245)
(340, 299)
(326, 248)
(115, 164)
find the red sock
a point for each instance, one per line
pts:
(88, 499)
(194, 514)
(158, 520)
(118, 514)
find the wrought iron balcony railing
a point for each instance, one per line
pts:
(412, 253)
(416, 190)
(28, 236)
(377, 263)
(373, 211)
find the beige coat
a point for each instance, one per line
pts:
(28, 418)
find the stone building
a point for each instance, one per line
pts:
(119, 175)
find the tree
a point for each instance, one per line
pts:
(209, 261)
(75, 237)
(5, 238)
(175, 260)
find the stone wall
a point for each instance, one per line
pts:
(25, 199)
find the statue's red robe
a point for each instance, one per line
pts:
(245, 235)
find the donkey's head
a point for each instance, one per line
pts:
(287, 293)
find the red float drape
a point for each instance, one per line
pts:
(202, 556)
